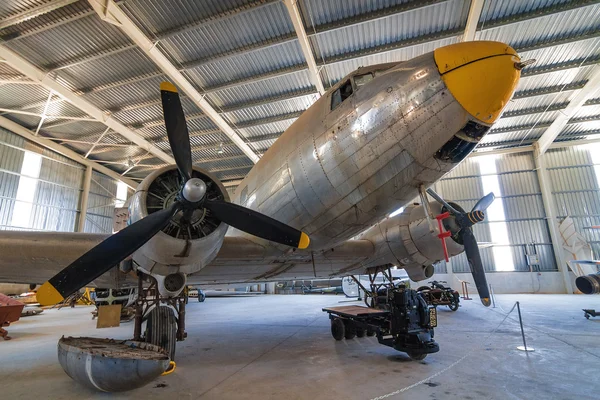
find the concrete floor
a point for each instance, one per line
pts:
(274, 347)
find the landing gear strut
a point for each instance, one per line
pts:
(165, 316)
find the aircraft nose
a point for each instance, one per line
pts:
(481, 76)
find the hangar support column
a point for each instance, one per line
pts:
(544, 181)
(85, 194)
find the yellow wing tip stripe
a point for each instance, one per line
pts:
(48, 295)
(168, 86)
(304, 241)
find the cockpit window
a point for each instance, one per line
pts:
(360, 80)
(341, 94)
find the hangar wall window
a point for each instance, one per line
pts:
(503, 257)
(30, 172)
(121, 194)
(341, 94)
(594, 150)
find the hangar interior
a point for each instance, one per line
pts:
(81, 122)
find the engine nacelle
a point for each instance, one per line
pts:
(176, 249)
(405, 240)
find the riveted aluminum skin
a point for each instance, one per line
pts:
(164, 254)
(405, 240)
(335, 174)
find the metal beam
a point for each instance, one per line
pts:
(85, 194)
(548, 201)
(27, 134)
(296, 17)
(33, 114)
(483, 151)
(34, 12)
(591, 87)
(32, 72)
(472, 20)
(110, 12)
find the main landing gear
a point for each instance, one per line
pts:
(164, 316)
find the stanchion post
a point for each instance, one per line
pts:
(524, 347)
(493, 297)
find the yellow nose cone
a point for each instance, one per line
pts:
(481, 76)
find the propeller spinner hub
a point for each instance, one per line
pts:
(194, 190)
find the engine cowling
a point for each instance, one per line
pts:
(175, 250)
(405, 240)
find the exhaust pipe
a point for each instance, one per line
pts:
(588, 284)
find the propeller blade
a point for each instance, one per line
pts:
(257, 224)
(103, 257)
(179, 138)
(472, 252)
(442, 201)
(484, 202)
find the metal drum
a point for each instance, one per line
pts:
(111, 365)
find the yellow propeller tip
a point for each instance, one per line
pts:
(304, 241)
(48, 295)
(168, 87)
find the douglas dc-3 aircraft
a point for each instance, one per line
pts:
(314, 206)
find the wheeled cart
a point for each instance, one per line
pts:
(405, 322)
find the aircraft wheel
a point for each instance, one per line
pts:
(338, 329)
(161, 329)
(370, 332)
(350, 328)
(201, 297)
(417, 356)
(361, 332)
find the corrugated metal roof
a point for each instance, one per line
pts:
(554, 26)
(422, 21)
(227, 34)
(246, 65)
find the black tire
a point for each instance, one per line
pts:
(338, 329)
(161, 329)
(201, 297)
(370, 332)
(350, 328)
(417, 356)
(423, 288)
(361, 332)
(453, 306)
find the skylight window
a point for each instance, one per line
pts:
(495, 214)
(594, 150)
(30, 172)
(121, 194)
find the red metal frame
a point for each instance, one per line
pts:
(443, 234)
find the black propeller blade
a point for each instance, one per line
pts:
(179, 138)
(192, 196)
(257, 224)
(103, 257)
(461, 229)
(474, 258)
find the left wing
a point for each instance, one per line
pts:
(34, 257)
